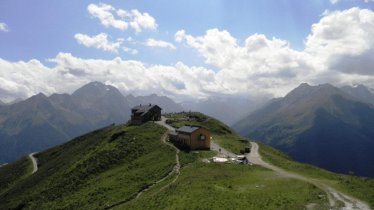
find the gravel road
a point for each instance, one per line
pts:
(34, 162)
(334, 196)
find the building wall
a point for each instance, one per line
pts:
(136, 120)
(152, 114)
(196, 143)
(193, 141)
(184, 139)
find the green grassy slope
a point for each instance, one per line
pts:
(108, 167)
(13, 173)
(93, 171)
(224, 186)
(362, 188)
(228, 186)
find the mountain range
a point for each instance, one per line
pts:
(360, 92)
(228, 109)
(40, 122)
(133, 167)
(322, 125)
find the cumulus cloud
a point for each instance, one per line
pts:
(130, 50)
(340, 44)
(254, 66)
(23, 79)
(159, 43)
(343, 41)
(99, 41)
(104, 13)
(140, 21)
(339, 50)
(180, 36)
(4, 27)
(122, 19)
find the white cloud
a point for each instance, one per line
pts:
(140, 21)
(336, 1)
(104, 13)
(343, 41)
(339, 49)
(340, 44)
(159, 43)
(23, 79)
(4, 27)
(130, 50)
(253, 67)
(180, 36)
(99, 41)
(122, 19)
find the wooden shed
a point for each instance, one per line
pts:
(193, 137)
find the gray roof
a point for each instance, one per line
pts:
(187, 129)
(144, 108)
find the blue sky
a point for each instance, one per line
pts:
(41, 29)
(184, 49)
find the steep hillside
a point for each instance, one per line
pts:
(130, 167)
(321, 125)
(36, 124)
(41, 122)
(90, 172)
(108, 168)
(358, 187)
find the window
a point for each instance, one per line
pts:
(202, 137)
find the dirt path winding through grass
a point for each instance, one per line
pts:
(176, 169)
(335, 197)
(177, 166)
(34, 162)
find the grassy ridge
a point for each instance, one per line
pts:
(225, 186)
(95, 170)
(111, 165)
(362, 188)
(14, 172)
(229, 186)
(222, 134)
